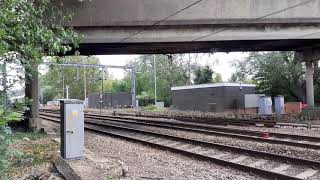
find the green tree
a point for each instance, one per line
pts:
(30, 30)
(171, 71)
(203, 75)
(121, 85)
(57, 77)
(275, 73)
(33, 29)
(217, 78)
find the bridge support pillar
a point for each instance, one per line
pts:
(32, 95)
(311, 58)
(309, 84)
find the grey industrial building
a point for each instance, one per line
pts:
(110, 100)
(217, 97)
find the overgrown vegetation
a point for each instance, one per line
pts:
(276, 73)
(29, 31)
(11, 159)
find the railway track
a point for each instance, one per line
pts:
(275, 138)
(265, 164)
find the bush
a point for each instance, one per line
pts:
(6, 116)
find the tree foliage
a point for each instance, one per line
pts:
(275, 73)
(217, 78)
(53, 83)
(33, 29)
(203, 75)
(171, 71)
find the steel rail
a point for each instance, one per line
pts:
(220, 131)
(254, 136)
(100, 127)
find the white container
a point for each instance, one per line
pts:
(265, 105)
(279, 105)
(252, 100)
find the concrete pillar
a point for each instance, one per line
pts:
(309, 84)
(133, 87)
(32, 93)
(311, 58)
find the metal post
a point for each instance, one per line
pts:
(155, 79)
(85, 83)
(101, 96)
(309, 84)
(133, 82)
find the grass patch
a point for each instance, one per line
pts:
(35, 147)
(153, 108)
(18, 136)
(40, 153)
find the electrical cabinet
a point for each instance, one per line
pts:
(279, 105)
(72, 129)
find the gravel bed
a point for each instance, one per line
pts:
(249, 160)
(270, 165)
(142, 162)
(197, 173)
(293, 171)
(261, 146)
(229, 157)
(295, 131)
(315, 177)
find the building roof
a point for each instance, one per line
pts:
(200, 86)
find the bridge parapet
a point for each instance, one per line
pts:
(216, 12)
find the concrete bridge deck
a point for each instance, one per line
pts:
(177, 26)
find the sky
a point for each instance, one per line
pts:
(219, 62)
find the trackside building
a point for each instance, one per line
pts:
(219, 97)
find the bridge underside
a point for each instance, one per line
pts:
(195, 47)
(198, 38)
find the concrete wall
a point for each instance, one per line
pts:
(202, 99)
(146, 12)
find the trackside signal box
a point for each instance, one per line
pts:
(72, 129)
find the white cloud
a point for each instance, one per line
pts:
(119, 60)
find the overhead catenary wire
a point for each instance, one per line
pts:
(160, 21)
(222, 30)
(261, 17)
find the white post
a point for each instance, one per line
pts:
(67, 89)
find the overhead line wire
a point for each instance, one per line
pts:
(160, 21)
(279, 11)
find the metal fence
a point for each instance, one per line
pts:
(110, 100)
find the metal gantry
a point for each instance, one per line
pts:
(133, 74)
